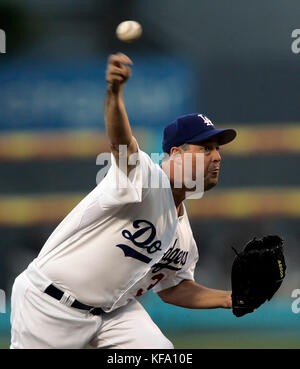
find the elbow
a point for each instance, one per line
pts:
(129, 142)
(165, 297)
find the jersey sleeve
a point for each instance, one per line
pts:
(187, 272)
(118, 189)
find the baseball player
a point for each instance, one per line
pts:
(119, 242)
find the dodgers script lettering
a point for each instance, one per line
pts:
(143, 238)
(172, 256)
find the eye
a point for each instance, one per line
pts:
(208, 148)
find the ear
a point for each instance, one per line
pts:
(175, 150)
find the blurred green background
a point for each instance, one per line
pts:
(231, 61)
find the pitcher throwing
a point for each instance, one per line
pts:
(119, 242)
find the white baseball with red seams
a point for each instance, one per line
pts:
(129, 31)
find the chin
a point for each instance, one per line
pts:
(209, 185)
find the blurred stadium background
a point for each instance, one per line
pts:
(230, 60)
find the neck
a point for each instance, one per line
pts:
(179, 196)
(178, 193)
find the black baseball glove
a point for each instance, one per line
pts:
(257, 273)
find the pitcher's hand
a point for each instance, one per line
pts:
(118, 72)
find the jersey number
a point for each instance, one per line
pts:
(156, 278)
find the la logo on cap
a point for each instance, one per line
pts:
(207, 121)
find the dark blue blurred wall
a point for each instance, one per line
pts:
(241, 49)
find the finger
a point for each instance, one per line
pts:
(118, 59)
(114, 78)
(115, 69)
(125, 58)
(113, 75)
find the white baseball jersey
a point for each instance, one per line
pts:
(178, 263)
(117, 243)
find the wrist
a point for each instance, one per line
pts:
(114, 89)
(227, 300)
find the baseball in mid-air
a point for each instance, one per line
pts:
(129, 31)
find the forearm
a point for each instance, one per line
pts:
(116, 119)
(189, 294)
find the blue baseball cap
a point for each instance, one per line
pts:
(192, 128)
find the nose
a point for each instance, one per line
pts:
(216, 157)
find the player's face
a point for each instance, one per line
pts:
(212, 161)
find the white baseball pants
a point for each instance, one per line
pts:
(38, 321)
